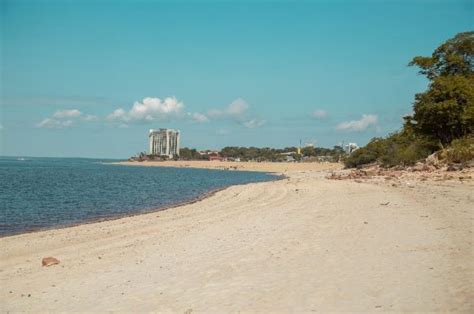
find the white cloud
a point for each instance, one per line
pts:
(198, 117)
(319, 114)
(67, 113)
(237, 107)
(155, 109)
(150, 109)
(118, 114)
(253, 123)
(363, 123)
(236, 110)
(90, 117)
(51, 123)
(65, 118)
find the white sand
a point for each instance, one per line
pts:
(300, 244)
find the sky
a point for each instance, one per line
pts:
(90, 78)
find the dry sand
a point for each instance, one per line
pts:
(304, 243)
(278, 167)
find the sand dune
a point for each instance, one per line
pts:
(304, 243)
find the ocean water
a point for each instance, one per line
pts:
(41, 193)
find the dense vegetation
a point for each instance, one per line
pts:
(255, 154)
(265, 153)
(443, 115)
(273, 154)
(190, 154)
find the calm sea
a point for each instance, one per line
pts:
(40, 193)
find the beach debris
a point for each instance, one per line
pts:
(385, 204)
(49, 261)
(421, 171)
(454, 167)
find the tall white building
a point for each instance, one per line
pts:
(164, 142)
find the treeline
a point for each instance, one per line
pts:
(191, 154)
(265, 153)
(443, 115)
(274, 154)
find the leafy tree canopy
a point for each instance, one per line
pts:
(454, 57)
(446, 110)
(442, 115)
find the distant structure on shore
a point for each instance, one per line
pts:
(351, 147)
(164, 142)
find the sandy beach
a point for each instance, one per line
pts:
(276, 167)
(304, 243)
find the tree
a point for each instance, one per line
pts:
(454, 57)
(446, 110)
(189, 154)
(442, 115)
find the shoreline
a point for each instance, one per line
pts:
(138, 213)
(278, 168)
(303, 243)
(112, 218)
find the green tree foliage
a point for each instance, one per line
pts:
(454, 57)
(190, 154)
(252, 153)
(446, 110)
(442, 115)
(272, 154)
(400, 148)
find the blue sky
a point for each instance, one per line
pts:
(89, 78)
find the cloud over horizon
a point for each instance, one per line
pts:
(149, 109)
(50, 123)
(152, 109)
(362, 124)
(237, 111)
(253, 123)
(198, 117)
(64, 118)
(319, 114)
(67, 113)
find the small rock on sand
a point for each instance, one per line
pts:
(48, 261)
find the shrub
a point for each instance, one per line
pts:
(401, 148)
(360, 157)
(460, 150)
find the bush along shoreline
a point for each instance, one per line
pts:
(442, 123)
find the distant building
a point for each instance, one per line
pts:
(350, 148)
(216, 158)
(208, 152)
(164, 142)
